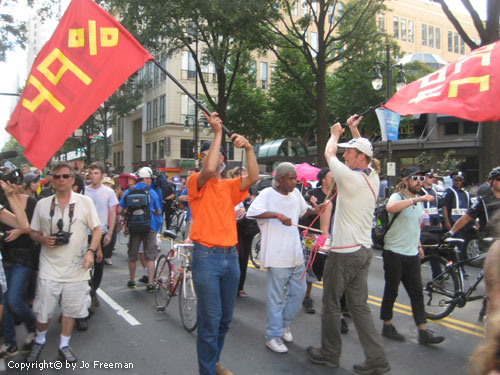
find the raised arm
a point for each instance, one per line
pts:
(211, 163)
(353, 123)
(331, 147)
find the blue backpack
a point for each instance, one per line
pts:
(138, 211)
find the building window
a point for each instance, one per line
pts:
(395, 21)
(263, 75)
(188, 110)
(462, 47)
(424, 34)
(403, 29)
(331, 14)
(188, 65)
(187, 146)
(161, 149)
(438, 38)
(303, 11)
(451, 128)
(295, 10)
(155, 151)
(156, 76)
(314, 43)
(252, 73)
(450, 41)
(148, 151)
(149, 75)
(431, 36)
(411, 31)
(162, 100)
(155, 113)
(163, 63)
(380, 22)
(455, 40)
(148, 115)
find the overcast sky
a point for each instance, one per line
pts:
(13, 72)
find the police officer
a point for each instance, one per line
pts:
(431, 208)
(455, 203)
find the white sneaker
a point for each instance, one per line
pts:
(287, 335)
(276, 345)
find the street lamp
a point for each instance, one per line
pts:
(377, 81)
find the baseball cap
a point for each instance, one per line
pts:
(430, 171)
(145, 172)
(410, 171)
(457, 175)
(108, 180)
(362, 144)
(321, 175)
(31, 177)
(206, 146)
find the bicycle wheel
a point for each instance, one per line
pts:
(255, 253)
(439, 291)
(188, 302)
(163, 291)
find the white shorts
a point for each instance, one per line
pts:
(74, 298)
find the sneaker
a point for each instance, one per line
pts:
(242, 294)
(287, 335)
(308, 305)
(314, 355)
(66, 354)
(34, 353)
(367, 369)
(94, 303)
(426, 336)
(28, 341)
(131, 284)
(390, 332)
(144, 279)
(150, 288)
(8, 350)
(344, 328)
(276, 345)
(220, 370)
(82, 324)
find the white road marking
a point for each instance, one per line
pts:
(119, 310)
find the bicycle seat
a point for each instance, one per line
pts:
(170, 234)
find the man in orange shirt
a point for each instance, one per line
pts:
(216, 270)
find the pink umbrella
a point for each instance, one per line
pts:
(306, 172)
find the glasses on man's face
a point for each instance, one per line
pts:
(418, 178)
(59, 176)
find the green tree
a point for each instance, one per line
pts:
(12, 32)
(341, 27)
(224, 30)
(13, 145)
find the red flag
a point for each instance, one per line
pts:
(468, 88)
(88, 57)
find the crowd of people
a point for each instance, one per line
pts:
(58, 227)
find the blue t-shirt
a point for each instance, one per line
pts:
(404, 234)
(154, 204)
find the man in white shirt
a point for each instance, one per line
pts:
(61, 224)
(347, 265)
(281, 252)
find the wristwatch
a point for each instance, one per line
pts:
(90, 249)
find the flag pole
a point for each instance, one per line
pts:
(370, 109)
(200, 104)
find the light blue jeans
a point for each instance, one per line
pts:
(216, 273)
(285, 292)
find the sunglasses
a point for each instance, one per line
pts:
(58, 176)
(418, 178)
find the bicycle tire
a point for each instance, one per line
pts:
(188, 303)
(163, 290)
(438, 291)
(181, 225)
(255, 251)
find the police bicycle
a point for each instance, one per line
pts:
(443, 279)
(170, 281)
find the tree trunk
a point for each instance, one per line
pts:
(491, 156)
(322, 118)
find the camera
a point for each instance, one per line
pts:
(62, 237)
(13, 176)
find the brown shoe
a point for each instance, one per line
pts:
(220, 370)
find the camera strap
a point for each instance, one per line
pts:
(70, 214)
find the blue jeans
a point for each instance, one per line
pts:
(17, 277)
(216, 274)
(285, 292)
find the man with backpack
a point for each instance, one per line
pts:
(142, 208)
(402, 254)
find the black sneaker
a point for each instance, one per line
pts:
(344, 328)
(307, 303)
(144, 279)
(28, 341)
(426, 336)
(94, 303)
(131, 284)
(66, 354)
(150, 288)
(8, 350)
(34, 353)
(314, 355)
(367, 369)
(82, 324)
(390, 332)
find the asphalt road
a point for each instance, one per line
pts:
(128, 336)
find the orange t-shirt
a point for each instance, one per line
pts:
(212, 209)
